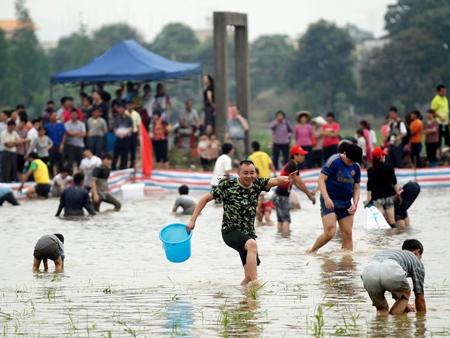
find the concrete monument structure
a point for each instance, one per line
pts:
(239, 21)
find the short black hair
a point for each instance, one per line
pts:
(65, 169)
(183, 189)
(107, 156)
(60, 237)
(417, 113)
(342, 146)
(11, 122)
(50, 102)
(412, 245)
(83, 95)
(78, 178)
(280, 112)
(20, 106)
(439, 87)
(227, 148)
(331, 114)
(354, 153)
(256, 146)
(393, 108)
(33, 155)
(246, 162)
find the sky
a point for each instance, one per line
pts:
(57, 18)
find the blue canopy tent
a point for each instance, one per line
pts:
(128, 60)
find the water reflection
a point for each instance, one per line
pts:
(179, 318)
(338, 277)
(411, 325)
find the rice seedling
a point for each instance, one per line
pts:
(127, 328)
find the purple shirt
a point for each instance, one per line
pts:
(281, 132)
(303, 134)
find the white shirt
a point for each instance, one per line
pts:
(362, 144)
(223, 164)
(87, 166)
(6, 137)
(2, 128)
(373, 137)
(32, 134)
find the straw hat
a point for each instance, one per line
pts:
(304, 113)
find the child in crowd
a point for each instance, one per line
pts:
(183, 201)
(362, 143)
(204, 150)
(49, 247)
(61, 181)
(264, 209)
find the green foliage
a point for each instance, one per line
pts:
(414, 61)
(357, 34)
(322, 66)
(176, 41)
(269, 55)
(107, 36)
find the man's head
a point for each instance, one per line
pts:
(441, 90)
(20, 108)
(431, 114)
(74, 115)
(280, 115)
(298, 154)
(342, 146)
(65, 171)
(247, 173)
(32, 156)
(120, 108)
(234, 111)
(147, 89)
(352, 154)
(227, 148)
(51, 104)
(415, 114)
(188, 105)
(414, 246)
(87, 101)
(67, 102)
(393, 113)
(78, 179)
(256, 146)
(37, 123)
(96, 112)
(11, 125)
(107, 160)
(60, 237)
(53, 117)
(96, 95)
(87, 153)
(41, 131)
(330, 117)
(160, 91)
(183, 190)
(4, 115)
(23, 120)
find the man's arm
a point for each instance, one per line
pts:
(420, 303)
(323, 190)
(244, 122)
(61, 204)
(198, 209)
(87, 205)
(302, 186)
(275, 181)
(94, 190)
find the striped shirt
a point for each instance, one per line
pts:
(412, 265)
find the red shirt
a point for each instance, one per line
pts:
(331, 140)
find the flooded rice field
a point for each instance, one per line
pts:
(117, 282)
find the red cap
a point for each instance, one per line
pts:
(297, 150)
(378, 153)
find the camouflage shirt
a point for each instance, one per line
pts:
(239, 204)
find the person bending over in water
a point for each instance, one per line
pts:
(49, 247)
(338, 183)
(6, 195)
(99, 187)
(408, 195)
(240, 198)
(388, 271)
(184, 201)
(74, 199)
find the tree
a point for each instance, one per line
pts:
(176, 41)
(269, 57)
(29, 61)
(322, 66)
(72, 51)
(107, 36)
(7, 78)
(357, 34)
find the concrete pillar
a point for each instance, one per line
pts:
(242, 74)
(220, 73)
(239, 21)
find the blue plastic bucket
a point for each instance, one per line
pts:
(176, 242)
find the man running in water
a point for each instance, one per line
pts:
(240, 198)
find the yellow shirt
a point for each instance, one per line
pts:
(440, 106)
(262, 162)
(136, 118)
(40, 172)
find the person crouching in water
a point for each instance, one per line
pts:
(382, 186)
(388, 271)
(74, 199)
(99, 183)
(339, 183)
(240, 198)
(49, 247)
(184, 201)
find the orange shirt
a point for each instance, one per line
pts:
(416, 128)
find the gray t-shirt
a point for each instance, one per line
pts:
(77, 126)
(412, 265)
(186, 203)
(47, 240)
(96, 127)
(41, 145)
(235, 129)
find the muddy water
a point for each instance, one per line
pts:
(118, 283)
